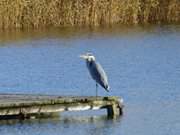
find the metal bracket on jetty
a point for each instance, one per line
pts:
(23, 106)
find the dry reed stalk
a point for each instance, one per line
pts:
(48, 13)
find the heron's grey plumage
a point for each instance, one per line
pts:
(96, 71)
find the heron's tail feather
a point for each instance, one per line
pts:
(107, 88)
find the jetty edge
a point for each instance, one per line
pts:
(22, 106)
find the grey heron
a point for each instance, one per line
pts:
(96, 71)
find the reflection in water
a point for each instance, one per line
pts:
(78, 32)
(96, 125)
(62, 119)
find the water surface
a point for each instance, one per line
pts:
(143, 65)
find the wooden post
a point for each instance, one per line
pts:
(114, 110)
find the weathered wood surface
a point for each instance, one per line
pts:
(25, 105)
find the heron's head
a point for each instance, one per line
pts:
(88, 57)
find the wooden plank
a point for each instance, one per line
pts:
(25, 105)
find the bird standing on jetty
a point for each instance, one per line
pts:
(96, 71)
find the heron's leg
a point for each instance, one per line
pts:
(96, 89)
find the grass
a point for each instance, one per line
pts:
(56, 13)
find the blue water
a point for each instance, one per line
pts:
(142, 64)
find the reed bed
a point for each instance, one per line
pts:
(56, 13)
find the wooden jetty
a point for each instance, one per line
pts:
(26, 106)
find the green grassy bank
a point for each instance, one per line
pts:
(47, 13)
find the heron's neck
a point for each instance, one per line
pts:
(89, 62)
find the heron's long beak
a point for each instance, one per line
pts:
(83, 56)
